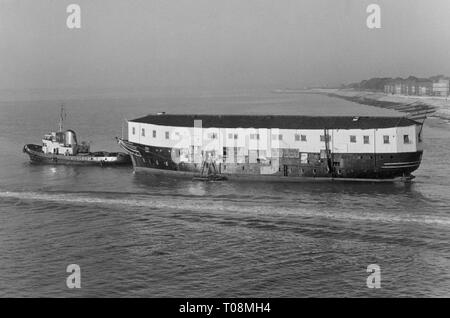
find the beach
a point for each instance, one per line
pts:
(431, 106)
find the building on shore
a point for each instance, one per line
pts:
(424, 88)
(441, 88)
(418, 87)
(389, 88)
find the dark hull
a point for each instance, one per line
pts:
(358, 166)
(92, 159)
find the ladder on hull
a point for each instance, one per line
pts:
(209, 172)
(328, 153)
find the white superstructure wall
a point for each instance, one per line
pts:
(382, 140)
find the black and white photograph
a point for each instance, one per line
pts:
(224, 154)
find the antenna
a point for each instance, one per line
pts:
(126, 120)
(61, 118)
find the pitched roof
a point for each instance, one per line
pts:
(277, 121)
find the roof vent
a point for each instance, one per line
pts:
(161, 113)
(355, 118)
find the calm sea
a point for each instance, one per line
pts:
(135, 235)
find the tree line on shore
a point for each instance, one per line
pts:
(378, 83)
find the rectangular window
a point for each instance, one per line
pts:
(303, 137)
(230, 136)
(167, 135)
(385, 139)
(154, 133)
(353, 139)
(235, 136)
(279, 137)
(366, 140)
(134, 130)
(252, 136)
(406, 139)
(322, 138)
(297, 137)
(143, 132)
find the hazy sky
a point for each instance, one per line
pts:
(218, 43)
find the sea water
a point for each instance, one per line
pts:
(154, 236)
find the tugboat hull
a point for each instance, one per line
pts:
(96, 158)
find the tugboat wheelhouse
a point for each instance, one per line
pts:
(277, 147)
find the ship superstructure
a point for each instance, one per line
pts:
(271, 147)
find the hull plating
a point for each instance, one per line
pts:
(348, 166)
(37, 156)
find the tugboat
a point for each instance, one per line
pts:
(62, 148)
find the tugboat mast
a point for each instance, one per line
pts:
(61, 119)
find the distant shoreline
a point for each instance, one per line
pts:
(414, 106)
